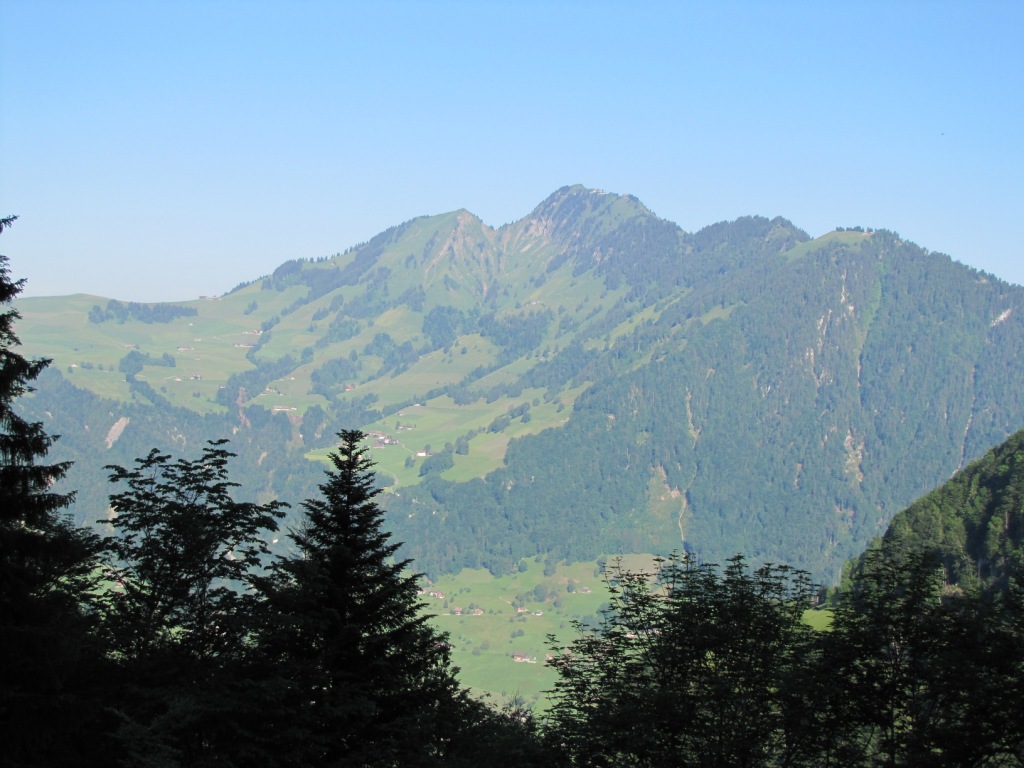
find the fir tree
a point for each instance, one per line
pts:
(47, 567)
(371, 682)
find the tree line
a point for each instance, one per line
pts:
(695, 665)
(144, 313)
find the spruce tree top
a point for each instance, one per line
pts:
(39, 550)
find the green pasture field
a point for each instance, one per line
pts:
(484, 646)
(439, 421)
(852, 239)
(207, 344)
(818, 619)
(718, 313)
(633, 322)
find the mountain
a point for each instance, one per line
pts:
(590, 379)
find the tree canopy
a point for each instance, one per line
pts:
(697, 666)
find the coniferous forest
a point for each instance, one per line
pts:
(178, 638)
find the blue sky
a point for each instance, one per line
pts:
(166, 150)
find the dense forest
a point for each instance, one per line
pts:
(176, 638)
(700, 666)
(972, 525)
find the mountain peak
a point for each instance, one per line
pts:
(577, 195)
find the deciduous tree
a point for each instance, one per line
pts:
(179, 614)
(919, 676)
(690, 667)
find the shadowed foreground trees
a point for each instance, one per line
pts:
(918, 676)
(693, 667)
(47, 569)
(368, 680)
(323, 658)
(178, 612)
(690, 667)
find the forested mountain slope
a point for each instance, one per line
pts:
(974, 523)
(589, 379)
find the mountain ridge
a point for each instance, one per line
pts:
(588, 369)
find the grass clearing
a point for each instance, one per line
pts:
(500, 620)
(819, 619)
(498, 627)
(851, 239)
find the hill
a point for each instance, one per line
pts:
(973, 523)
(588, 379)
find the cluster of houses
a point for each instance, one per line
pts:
(382, 439)
(521, 609)
(471, 612)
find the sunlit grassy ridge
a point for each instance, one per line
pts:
(450, 260)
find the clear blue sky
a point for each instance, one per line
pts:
(165, 150)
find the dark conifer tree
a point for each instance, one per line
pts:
(47, 567)
(370, 681)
